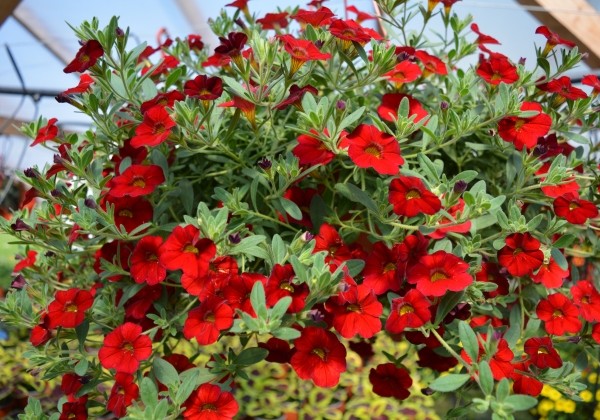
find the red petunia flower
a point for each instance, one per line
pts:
(404, 72)
(370, 148)
(438, 273)
(213, 281)
(85, 81)
(138, 306)
(596, 333)
(316, 18)
(237, 292)
(209, 402)
(348, 31)
(71, 383)
(593, 81)
(525, 384)
(356, 311)
(28, 261)
(145, 266)
(563, 88)
(310, 150)
(328, 239)
(48, 132)
(497, 69)
(431, 64)
(525, 131)
(86, 57)
(124, 348)
(388, 110)
(409, 311)
(185, 250)
(550, 275)
(248, 108)
(500, 361)
(388, 380)
(281, 284)
(381, 273)
(162, 100)
(40, 334)
(137, 180)
(206, 322)
(295, 97)
(552, 40)
(360, 15)
(577, 211)
(410, 197)
(542, 353)
(155, 128)
(274, 21)
(521, 255)
(279, 350)
(232, 46)
(122, 394)
(483, 38)
(301, 51)
(74, 410)
(490, 272)
(463, 227)
(319, 356)
(131, 212)
(587, 299)
(204, 88)
(568, 185)
(559, 314)
(194, 42)
(68, 307)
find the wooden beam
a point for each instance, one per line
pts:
(575, 20)
(6, 9)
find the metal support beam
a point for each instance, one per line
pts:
(575, 20)
(6, 9)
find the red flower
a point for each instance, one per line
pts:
(593, 81)
(559, 314)
(124, 348)
(295, 97)
(131, 212)
(438, 273)
(500, 361)
(155, 128)
(454, 211)
(431, 64)
(162, 100)
(525, 131)
(122, 394)
(209, 402)
(497, 69)
(388, 380)
(185, 250)
(328, 239)
(521, 255)
(281, 284)
(577, 211)
(310, 150)
(40, 334)
(274, 21)
(137, 180)
(68, 308)
(541, 353)
(301, 51)
(483, 38)
(596, 333)
(371, 148)
(109, 252)
(237, 292)
(319, 356)
(316, 18)
(568, 185)
(206, 322)
(562, 87)
(137, 307)
(587, 299)
(388, 110)
(406, 71)
(210, 283)
(356, 311)
(74, 410)
(360, 16)
(204, 88)
(524, 383)
(71, 383)
(145, 266)
(550, 275)
(348, 32)
(248, 108)
(49, 132)
(86, 57)
(232, 46)
(409, 311)
(410, 197)
(85, 81)
(28, 261)
(195, 42)
(279, 350)
(552, 40)
(381, 273)
(490, 272)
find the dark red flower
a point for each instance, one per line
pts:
(388, 110)
(209, 402)
(281, 284)
(145, 266)
(525, 131)
(155, 128)
(577, 211)
(559, 314)
(48, 132)
(115, 252)
(319, 356)
(295, 96)
(71, 383)
(500, 361)
(593, 81)
(206, 322)
(232, 46)
(497, 69)
(370, 148)
(185, 250)
(316, 18)
(68, 308)
(310, 150)
(40, 334)
(542, 353)
(381, 272)
(550, 275)
(138, 306)
(521, 255)
(131, 212)
(194, 42)
(137, 180)
(74, 410)
(562, 87)
(279, 350)
(162, 100)
(552, 40)
(328, 239)
(122, 394)
(124, 348)
(410, 197)
(237, 292)
(490, 272)
(388, 380)
(587, 299)
(274, 21)
(438, 273)
(355, 311)
(85, 81)
(409, 311)
(86, 57)
(204, 88)
(525, 383)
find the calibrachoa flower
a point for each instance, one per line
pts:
(155, 128)
(577, 211)
(370, 148)
(75, 410)
(281, 284)
(410, 197)
(301, 51)
(562, 87)
(86, 57)
(593, 81)
(500, 361)
(483, 38)
(28, 261)
(68, 308)
(237, 292)
(209, 402)
(542, 353)
(206, 322)
(85, 81)
(438, 273)
(204, 88)
(587, 299)
(137, 180)
(295, 97)
(552, 40)
(145, 266)
(551, 274)
(497, 69)
(319, 356)
(388, 380)
(124, 348)
(328, 239)
(388, 110)
(275, 21)
(130, 212)
(381, 272)
(525, 131)
(320, 17)
(405, 72)
(409, 311)
(185, 250)
(48, 132)
(310, 150)
(122, 394)
(559, 314)
(521, 255)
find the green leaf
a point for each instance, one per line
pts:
(350, 119)
(82, 331)
(286, 333)
(279, 249)
(165, 372)
(149, 90)
(502, 390)
(466, 176)
(449, 301)
(187, 195)
(449, 383)
(355, 267)
(251, 356)
(559, 258)
(81, 367)
(280, 308)
(521, 402)
(486, 379)
(148, 392)
(257, 297)
(291, 208)
(161, 410)
(430, 170)
(468, 339)
(249, 246)
(564, 241)
(353, 193)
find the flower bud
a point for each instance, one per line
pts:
(235, 238)
(30, 173)
(460, 187)
(265, 164)
(341, 105)
(307, 236)
(20, 225)
(55, 193)
(444, 105)
(90, 203)
(316, 315)
(18, 282)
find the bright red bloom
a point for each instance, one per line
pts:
(71, 383)
(40, 334)
(319, 356)
(206, 322)
(131, 212)
(162, 100)
(356, 311)
(248, 108)
(550, 275)
(463, 227)
(237, 292)
(137, 180)
(328, 239)
(204, 88)
(500, 362)
(410, 197)
(409, 311)
(194, 42)
(281, 284)
(209, 402)
(562, 87)
(360, 16)
(371, 148)
(122, 394)
(145, 266)
(568, 185)
(86, 57)
(525, 131)
(220, 271)
(404, 72)
(593, 81)
(240, 4)
(521, 255)
(28, 261)
(552, 40)
(525, 383)
(381, 272)
(68, 307)
(388, 380)
(316, 18)
(274, 21)
(587, 299)
(312, 151)
(388, 110)
(490, 272)
(483, 38)
(48, 132)
(438, 273)
(577, 211)
(185, 250)
(541, 353)
(74, 410)
(596, 333)
(124, 348)
(138, 306)
(155, 128)
(497, 69)
(349, 31)
(85, 81)
(301, 51)
(559, 314)
(295, 97)
(431, 64)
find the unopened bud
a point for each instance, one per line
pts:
(20, 225)
(90, 203)
(341, 105)
(18, 282)
(30, 173)
(444, 105)
(307, 236)
(235, 238)
(55, 193)
(265, 163)
(522, 61)
(460, 187)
